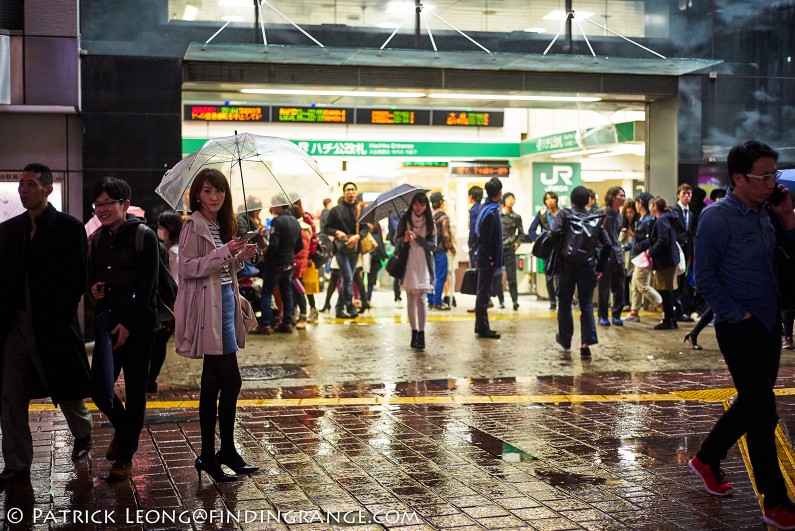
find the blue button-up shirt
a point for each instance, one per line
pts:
(735, 264)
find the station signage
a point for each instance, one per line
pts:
(490, 168)
(345, 115)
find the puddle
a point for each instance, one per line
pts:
(272, 372)
(561, 478)
(498, 447)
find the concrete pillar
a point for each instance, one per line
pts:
(662, 152)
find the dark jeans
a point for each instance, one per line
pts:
(788, 318)
(440, 270)
(612, 280)
(752, 354)
(583, 279)
(127, 418)
(347, 263)
(372, 276)
(159, 351)
(485, 282)
(271, 277)
(510, 273)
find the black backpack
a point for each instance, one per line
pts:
(166, 292)
(543, 247)
(581, 236)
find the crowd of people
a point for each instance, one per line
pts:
(726, 262)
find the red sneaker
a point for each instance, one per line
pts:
(781, 516)
(712, 476)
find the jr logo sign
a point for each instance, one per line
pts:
(553, 177)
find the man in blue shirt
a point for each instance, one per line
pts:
(735, 272)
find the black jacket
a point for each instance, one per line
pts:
(489, 243)
(428, 243)
(685, 235)
(54, 297)
(642, 233)
(612, 227)
(130, 278)
(285, 240)
(663, 251)
(343, 218)
(512, 231)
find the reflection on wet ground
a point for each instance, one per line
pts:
(344, 420)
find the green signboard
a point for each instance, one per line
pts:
(556, 177)
(357, 148)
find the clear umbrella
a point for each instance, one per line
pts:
(272, 170)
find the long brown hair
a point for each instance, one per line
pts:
(226, 216)
(660, 203)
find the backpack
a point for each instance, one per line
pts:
(437, 218)
(581, 236)
(166, 291)
(543, 247)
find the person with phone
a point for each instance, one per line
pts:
(736, 271)
(212, 318)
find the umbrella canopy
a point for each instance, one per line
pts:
(393, 201)
(788, 179)
(93, 224)
(273, 170)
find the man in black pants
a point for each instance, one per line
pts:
(736, 273)
(489, 255)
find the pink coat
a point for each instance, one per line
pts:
(197, 310)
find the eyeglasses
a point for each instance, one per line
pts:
(766, 178)
(97, 206)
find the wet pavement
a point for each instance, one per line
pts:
(354, 430)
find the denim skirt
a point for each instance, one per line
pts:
(228, 309)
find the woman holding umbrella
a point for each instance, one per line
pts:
(212, 317)
(417, 229)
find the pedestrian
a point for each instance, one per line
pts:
(474, 196)
(169, 225)
(278, 262)
(377, 256)
(544, 219)
(640, 287)
(417, 230)
(325, 213)
(612, 280)
(489, 256)
(341, 224)
(629, 220)
(314, 244)
(685, 224)
(124, 273)
(581, 238)
(41, 344)
(212, 317)
(444, 245)
(664, 257)
(392, 223)
(302, 261)
(512, 233)
(735, 270)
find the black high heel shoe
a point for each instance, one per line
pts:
(325, 308)
(213, 470)
(236, 463)
(693, 340)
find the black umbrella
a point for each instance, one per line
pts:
(393, 201)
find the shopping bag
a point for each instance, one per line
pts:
(681, 266)
(469, 284)
(311, 279)
(642, 261)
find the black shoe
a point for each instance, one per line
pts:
(413, 339)
(565, 347)
(325, 308)
(81, 448)
(9, 475)
(236, 463)
(515, 306)
(489, 334)
(343, 315)
(684, 319)
(693, 340)
(502, 306)
(113, 449)
(420, 340)
(214, 470)
(585, 352)
(151, 387)
(666, 324)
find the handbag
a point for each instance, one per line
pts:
(396, 265)
(311, 279)
(368, 243)
(469, 284)
(249, 270)
(681, 267)
(342, 247)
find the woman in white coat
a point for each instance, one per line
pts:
(211, 316)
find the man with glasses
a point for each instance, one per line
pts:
(341, 224)
(123, 280)
(42, 348)
(735, 271)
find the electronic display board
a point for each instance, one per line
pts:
(462, 118)
(491, 168)
(227, 113)
(313, 115)
(393, 116)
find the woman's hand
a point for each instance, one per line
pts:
(409, 236)
(236, 245)
(248, 253)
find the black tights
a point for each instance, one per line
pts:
(219, 374)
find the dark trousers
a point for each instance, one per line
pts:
(127, 418)
(347, 264)
(220, 387)
(271, 277)
(485, 281)
(159, 351)
(582, 278)
(372, 276)
(510, 273)
(612, 280)
(788, 318)
(752, 354)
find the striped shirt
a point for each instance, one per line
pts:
(215, 232)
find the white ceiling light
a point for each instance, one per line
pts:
(340, 93)
(190, 12)
(638, 150)
(561, 15)
(515, 97)
(576, 153)
(535, 30)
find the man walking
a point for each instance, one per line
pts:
(277, 267)
(445, 245)
(615, 275)
(342, 225)
(512, 233)
(489, 257)
(41, 345)
(686, 227)
(735, 271)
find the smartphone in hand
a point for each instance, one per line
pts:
(776, 197)
(247, 236)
